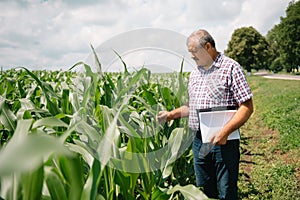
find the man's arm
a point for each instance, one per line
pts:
(182, 111)
(241, 116)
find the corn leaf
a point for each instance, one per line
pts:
(7, 117)
(55, 186)
(72, 170)
(127, 182)
(159, 195)
(49, 122)
(174, 144)
(90, 189)
(189, 192)
(25, 152)
(53, 108)
(32, 184)
(107, 145)
(97, 62)
(124, 64)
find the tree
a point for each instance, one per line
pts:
(286, 38)
(276, 65)
(250, 49)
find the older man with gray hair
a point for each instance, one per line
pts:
(217, 83)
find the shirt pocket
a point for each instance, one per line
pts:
(217, 90)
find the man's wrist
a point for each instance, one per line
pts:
(170, 115)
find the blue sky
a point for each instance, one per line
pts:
(55, 34)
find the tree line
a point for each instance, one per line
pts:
(278, 50)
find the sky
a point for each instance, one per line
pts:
(56, 34)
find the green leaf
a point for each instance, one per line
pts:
(106, 147)
(90, 190)
(49, 122)
(32, 184)
(25, 152)
(90, 132)
(55, 186)
(127, 128)
(22, 92)
(124, 64)
(65, 102)
(159, 195)
(72, 170)
(26, 106)
(149, 96)
(22, 129)
(76, 64)
(53, 108)
(97, 62)
(166, 94)
(182, 87)
(127, 183)
(174, 144)
(132, 83)
(81, 148)
(189, 192)
(7, 117)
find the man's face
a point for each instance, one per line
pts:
(199, 54)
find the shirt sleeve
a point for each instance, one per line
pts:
(240, 88)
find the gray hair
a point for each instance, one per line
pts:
(202, 37)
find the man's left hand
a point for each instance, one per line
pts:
(218, 138)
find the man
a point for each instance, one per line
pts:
(218, 81)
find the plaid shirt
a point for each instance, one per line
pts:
(224, 84)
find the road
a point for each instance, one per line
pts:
(278, 76)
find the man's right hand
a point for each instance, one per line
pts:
(165, 116)
(162, 116)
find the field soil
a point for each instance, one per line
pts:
(267, 171)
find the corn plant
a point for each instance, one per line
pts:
(93, 135)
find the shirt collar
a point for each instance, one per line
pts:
(216, 63)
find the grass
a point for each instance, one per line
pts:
(270, 157)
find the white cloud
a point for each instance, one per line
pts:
(262, 15)
(56, 34)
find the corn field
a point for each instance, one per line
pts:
(93, 135)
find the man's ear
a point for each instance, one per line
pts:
(207, 46)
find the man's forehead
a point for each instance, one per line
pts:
(193, 46)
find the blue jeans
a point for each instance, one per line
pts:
(218, 171)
